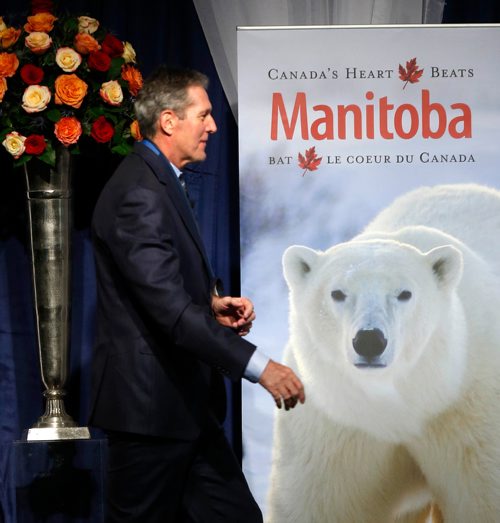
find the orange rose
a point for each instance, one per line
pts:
(8, 64)
(41, 22)
(3, 88)
(70, 90)
(9, 37)
(86, 43)
(133, 77)
(68, 130)
(135, 131)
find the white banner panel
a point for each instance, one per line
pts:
(335, 122)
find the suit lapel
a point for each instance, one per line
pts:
(167, 177)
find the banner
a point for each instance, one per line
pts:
(335, 123)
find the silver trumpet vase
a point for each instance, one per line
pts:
(50, 223)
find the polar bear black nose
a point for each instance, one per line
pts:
(369, 343)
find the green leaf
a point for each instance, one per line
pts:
(48, 156)
(114, 71)
(95, 112)
(25, 158)
(54, 115)
(122, 149)
(118, 132)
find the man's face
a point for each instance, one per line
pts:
(190, 135)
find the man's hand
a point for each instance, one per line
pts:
(283, 385)
(236, 313)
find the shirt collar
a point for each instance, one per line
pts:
(150, 145)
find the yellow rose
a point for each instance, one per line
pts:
(111, 92)
(128, 53)
(38, 42)
(36, 98)
(2, 24)
(3, 87)
(86, 24)
(70, 90)
(14, 143)
(68, 59)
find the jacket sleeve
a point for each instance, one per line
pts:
(140, 240)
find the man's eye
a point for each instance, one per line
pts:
(338, 295)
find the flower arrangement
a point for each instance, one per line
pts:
(65, 79)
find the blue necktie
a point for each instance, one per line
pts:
(182, 181)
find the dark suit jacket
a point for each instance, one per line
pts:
(159, 352)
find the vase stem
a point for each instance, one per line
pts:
(50, 221)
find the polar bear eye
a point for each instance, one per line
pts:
(338, 295)
(404, 296)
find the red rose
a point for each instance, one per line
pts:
(41, 6)
(99, 61)
(102, 131)
(112, 46)
(31, 74)
(35, 144)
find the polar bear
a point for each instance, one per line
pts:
(396, 335)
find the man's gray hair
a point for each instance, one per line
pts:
(164, 89)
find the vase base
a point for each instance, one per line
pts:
(57, 433)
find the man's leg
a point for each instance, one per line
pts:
(217, 491)
(146, 478)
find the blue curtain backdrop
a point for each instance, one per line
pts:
(161, 32)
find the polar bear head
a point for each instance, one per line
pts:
(368, 306)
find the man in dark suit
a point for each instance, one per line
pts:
(165, 338)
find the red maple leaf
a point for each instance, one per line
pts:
(411, 73)
(310, 161)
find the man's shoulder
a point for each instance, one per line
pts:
(131, 174)
(131, 170)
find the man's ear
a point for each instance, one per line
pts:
(167, 121)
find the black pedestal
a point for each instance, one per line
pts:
(56, 482)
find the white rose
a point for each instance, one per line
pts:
(14, 143)
(86, 24)
(68, 59)
(128, 53)
(36, 98)
(111, 92)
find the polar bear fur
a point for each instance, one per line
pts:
(413, 418)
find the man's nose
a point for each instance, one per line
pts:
(211, 125)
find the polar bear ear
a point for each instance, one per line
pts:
(447, 265)
(298, 262)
